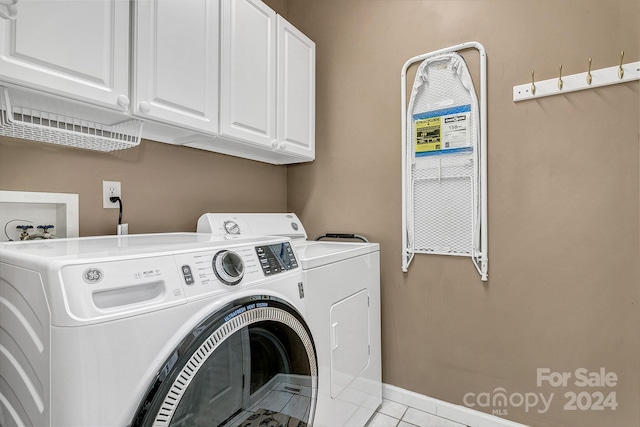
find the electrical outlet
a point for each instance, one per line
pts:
(110, 189)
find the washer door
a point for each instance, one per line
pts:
(253, 363)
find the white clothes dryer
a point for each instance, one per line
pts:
(342, 293)
(178, 329)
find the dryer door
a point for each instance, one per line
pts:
(252, 363)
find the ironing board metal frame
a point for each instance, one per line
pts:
(482, 261)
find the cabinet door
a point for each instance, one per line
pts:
(74, 48)
(176, 62)
(248, 72)
(296, 91)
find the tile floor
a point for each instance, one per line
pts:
(394, 414)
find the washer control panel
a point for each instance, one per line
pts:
(276, 258)
(219, 270)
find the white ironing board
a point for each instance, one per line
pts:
(444, 159)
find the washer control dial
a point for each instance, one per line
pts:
(231, 227)
(228, 267)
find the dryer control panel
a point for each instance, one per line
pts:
(276, 258)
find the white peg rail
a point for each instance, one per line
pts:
(575, 82)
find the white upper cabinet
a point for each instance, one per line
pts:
(76, 49)
(176, 62)
(229, 76)
(296, 91)
(267, 81)
(248, 72)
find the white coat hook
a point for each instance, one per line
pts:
(620, 70)
(589, 78)
(533, 85)
(560, 84)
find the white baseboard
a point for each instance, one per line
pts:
(457, 413)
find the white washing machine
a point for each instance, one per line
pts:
(179, 329)
(342, 293)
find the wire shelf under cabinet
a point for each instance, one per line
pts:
(35, 125)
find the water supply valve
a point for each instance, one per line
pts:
(25, 234)
(45, 231)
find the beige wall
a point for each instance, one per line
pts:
(164, 187)
(563, 290)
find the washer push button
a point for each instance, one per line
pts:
(188, 276)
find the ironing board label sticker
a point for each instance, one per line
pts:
(442, 130)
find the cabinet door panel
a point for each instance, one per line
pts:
(248, 67)
(296, 90)
(73, 48)
(177, 62)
